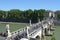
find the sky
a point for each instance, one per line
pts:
(30, 4)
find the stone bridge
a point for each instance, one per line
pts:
(32, 32)
(38, 30)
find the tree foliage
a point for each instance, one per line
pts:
(26, 14)
(58, 14)
(41, 14)
(53, 38)
(14, 13)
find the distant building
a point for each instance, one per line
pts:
(50, 14)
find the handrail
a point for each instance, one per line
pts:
(19, 30)
(35, 31)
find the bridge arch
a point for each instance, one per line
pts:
(38, 37)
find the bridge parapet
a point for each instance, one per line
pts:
(35, 32)
(20, 31)
(34, 27)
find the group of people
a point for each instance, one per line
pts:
(3, 34)
(19, 36)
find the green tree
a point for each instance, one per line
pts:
(35, 14)
(41, 13)
(28, 14)
(53, 38)
(2, 14)
(14, 13)
(57, 14)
